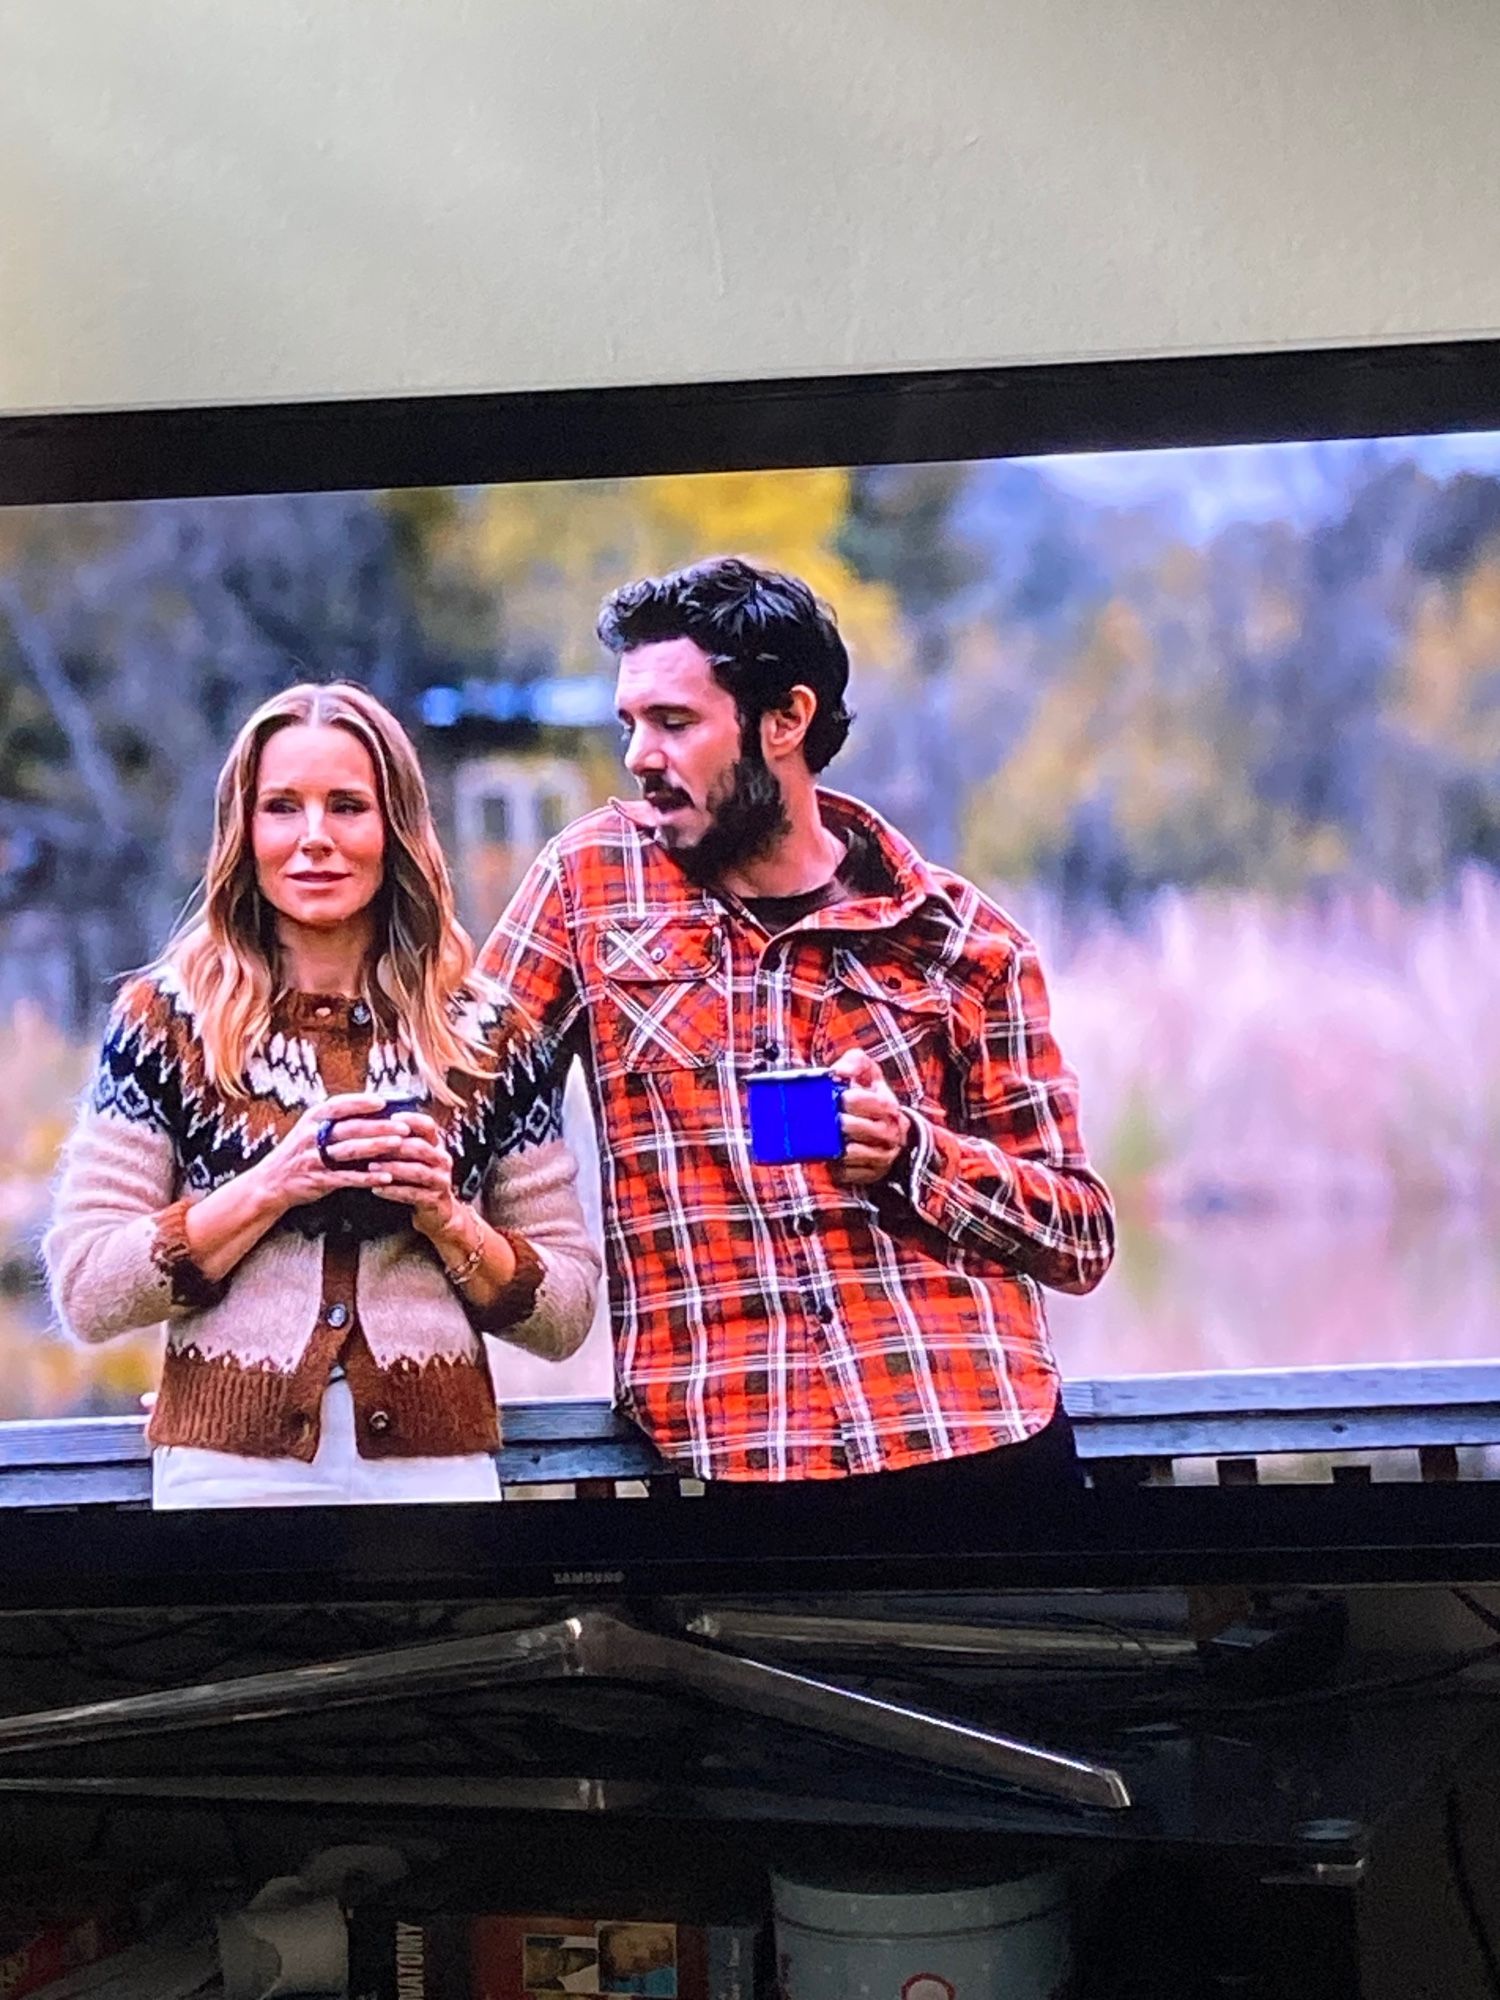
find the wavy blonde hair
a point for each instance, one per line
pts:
(224, 951)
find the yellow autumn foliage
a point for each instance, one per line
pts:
(1451, 666)
(553, 551)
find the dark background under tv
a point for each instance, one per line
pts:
(1123, 1534)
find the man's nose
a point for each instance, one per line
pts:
(642, 755)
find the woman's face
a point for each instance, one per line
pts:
(317, 831)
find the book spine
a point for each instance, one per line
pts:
(396, 1958)
(393, 1958)
(372, 1944)
(731, 1955)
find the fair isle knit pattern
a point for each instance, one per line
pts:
(151, 1072)
(247, 1358)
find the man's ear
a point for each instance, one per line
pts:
(783, 730)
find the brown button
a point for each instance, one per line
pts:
(380, 1420)
(300, 1423)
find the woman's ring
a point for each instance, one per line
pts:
(325, 1133)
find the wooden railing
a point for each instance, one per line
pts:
(1127, 1426)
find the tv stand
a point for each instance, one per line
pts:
(584, 1643)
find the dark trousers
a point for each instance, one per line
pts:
(1044, 1468)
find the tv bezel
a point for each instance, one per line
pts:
(1120, 1536)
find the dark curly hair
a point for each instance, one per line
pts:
(764, 633)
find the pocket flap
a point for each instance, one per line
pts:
(658, 948)
(898, 981)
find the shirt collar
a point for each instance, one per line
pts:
(914, 879)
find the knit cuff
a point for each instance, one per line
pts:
(173, 1257)
(517, 1301)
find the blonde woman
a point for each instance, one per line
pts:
(316, 1146)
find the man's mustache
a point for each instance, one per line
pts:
(664, 795)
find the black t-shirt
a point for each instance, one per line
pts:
(859, 874)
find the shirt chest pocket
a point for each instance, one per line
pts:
(897, 1012)
(657, 998)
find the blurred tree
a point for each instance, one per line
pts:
(549, 554)
(133, 642)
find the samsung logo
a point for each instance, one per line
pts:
(588, 1576)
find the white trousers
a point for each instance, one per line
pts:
(183, 1475)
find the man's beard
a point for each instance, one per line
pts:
(745, 821)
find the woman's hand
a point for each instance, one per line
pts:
(298, 1171)
(226, 1225)
(416, 1172)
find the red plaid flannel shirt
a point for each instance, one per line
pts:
(770, 1323)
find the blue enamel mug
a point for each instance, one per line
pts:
(794, 1115)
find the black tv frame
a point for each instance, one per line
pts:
(609, 1549)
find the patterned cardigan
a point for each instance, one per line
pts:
(248, 1357)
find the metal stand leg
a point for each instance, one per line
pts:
(586, 1644)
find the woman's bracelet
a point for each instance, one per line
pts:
(460, 1274)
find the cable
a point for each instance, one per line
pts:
(1463, 1882)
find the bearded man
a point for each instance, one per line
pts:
(877, 1315)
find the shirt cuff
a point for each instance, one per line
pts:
(173, 1257)
(909, 1170)
(516, 1301)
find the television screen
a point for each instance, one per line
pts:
(1200, 735)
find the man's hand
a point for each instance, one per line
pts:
(874, 1123)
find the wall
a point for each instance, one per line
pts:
(304, 197)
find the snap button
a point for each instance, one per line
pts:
(892, 983)
(770, 1051)
(359, 1013)
(337, 1314)
(657, 954)
(823, 1313)
(380, 1420)
(805, 1225)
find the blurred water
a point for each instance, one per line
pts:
(1221, 1294)
(1225, 1293)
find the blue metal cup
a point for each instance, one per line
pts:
(794, 1115)
(392, 1107)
